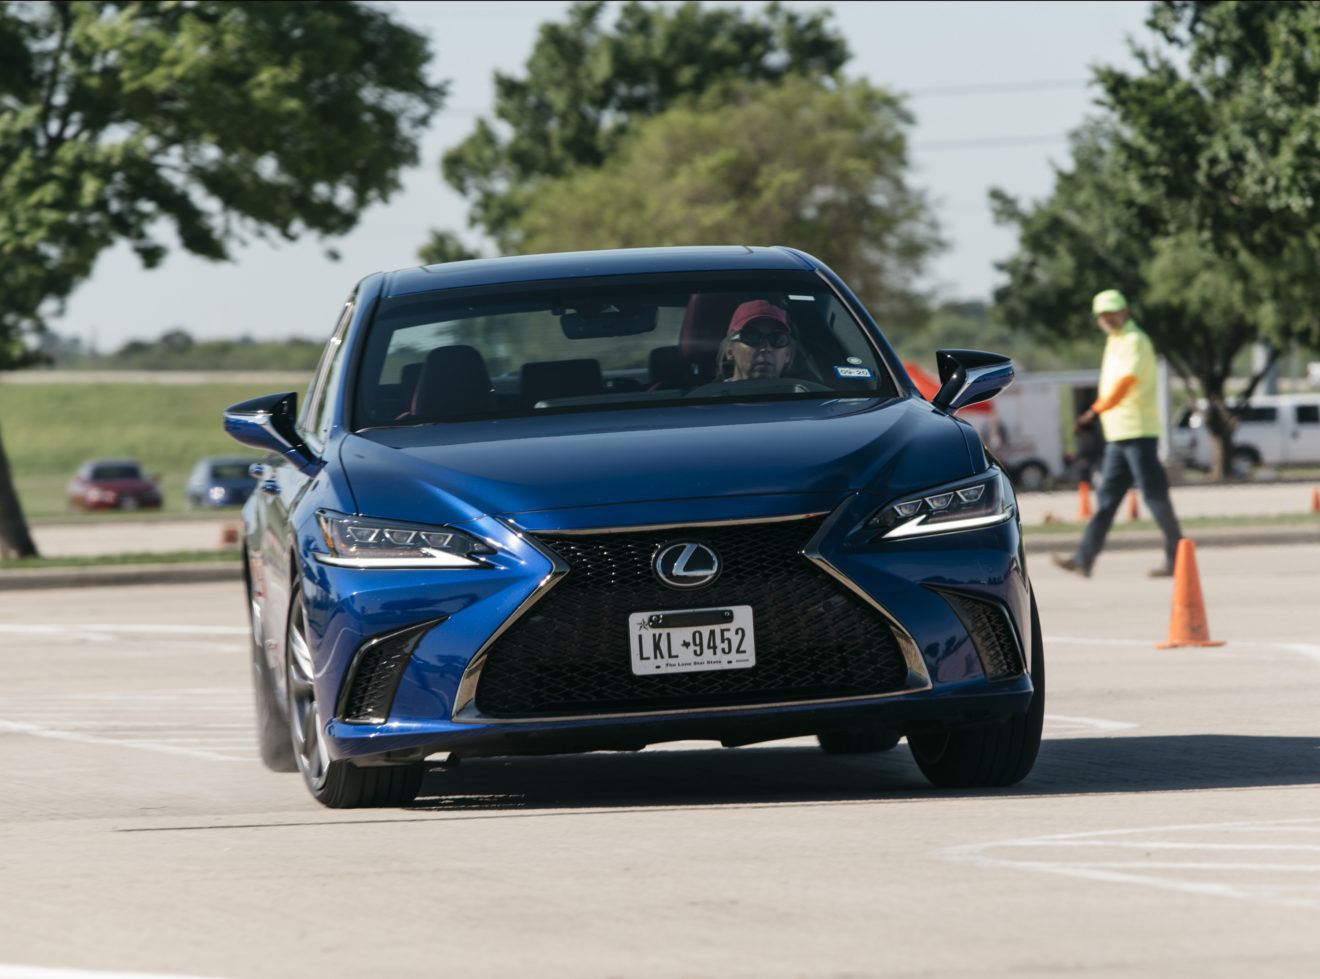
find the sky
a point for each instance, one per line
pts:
(995, 87)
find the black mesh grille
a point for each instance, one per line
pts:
(374, 676)
(570, 652)
(987, 624)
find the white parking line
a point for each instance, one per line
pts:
(1057, 725)
(43, 628)
(37, 731)
(1087, 856)
(38, 972)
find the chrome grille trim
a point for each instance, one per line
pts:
(465, 709)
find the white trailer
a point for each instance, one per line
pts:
(1030, 430)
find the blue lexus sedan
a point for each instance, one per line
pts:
(599, 500)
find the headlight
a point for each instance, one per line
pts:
(361, 542)
(966, 505)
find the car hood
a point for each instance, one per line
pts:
(514, 466)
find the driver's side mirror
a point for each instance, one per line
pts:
(270, 423)
(968, 377)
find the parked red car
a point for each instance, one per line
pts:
(113, 484)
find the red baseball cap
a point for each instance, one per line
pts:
(758, 309)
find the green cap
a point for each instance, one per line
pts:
(1109, 301)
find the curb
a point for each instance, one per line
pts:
(120, 574)
(1132, 540)
(1034, 540)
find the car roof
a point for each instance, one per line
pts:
(588, 264)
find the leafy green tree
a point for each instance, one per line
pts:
(1196, 194)
(586, 85)
(210, 122)
(969, 325)
(821, 167)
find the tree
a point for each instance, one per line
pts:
(218, 122)
(587, 85)
(821, 167)
(1196, 194)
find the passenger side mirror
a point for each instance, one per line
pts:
(968, 377)
(269, 423)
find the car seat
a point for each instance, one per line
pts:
(453, 383)
(705, 324)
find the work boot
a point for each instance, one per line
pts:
(1068, 564)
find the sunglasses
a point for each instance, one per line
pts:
(754, 338)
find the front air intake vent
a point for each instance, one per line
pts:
(992, 634)
(374, 674)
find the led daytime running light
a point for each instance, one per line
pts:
(362, 542)
(966, 507)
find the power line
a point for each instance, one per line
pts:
(990, 142)
(996, 88)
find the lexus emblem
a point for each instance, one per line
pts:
(686, 565)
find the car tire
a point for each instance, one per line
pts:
(863, 740)
(273, 737)
(1032, 477)
(997, 755)
(336, 784)
(1243, 461)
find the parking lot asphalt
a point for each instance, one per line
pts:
(1052, 522)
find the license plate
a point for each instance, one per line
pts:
(691, 640)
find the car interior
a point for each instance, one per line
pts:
(427, 364)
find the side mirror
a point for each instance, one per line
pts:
(268, 423)
(970, 376)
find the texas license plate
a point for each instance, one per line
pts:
(691, 640)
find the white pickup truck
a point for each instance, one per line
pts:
(1272, 430)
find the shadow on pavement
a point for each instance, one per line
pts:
(803, 774)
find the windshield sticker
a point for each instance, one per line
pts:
(854, 372)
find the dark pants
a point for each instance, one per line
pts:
(1125, 463)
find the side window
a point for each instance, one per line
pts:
(1308, 414)
(318, 408)
(1252, 413)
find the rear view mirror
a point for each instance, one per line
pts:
(608, 319)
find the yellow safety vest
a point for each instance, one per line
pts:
(1130, 351)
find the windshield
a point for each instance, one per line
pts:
(230, 470)
(584, 346)
(122, 470)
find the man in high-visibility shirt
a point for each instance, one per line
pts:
(1129, 414)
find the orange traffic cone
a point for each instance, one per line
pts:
(1083, 500)
(1132, 504)
(1187, 626)
(1315, 501)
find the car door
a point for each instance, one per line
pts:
(282, 486)
(1303, 442)
(1259, 428)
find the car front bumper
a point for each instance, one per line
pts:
(912, 634)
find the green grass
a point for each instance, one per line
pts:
(1187, 523)
(49, 429)
(178, 557)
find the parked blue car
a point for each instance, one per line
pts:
(599, 500)
(218, 481)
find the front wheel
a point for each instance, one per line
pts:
(336, 784)
(983, 757)
(1032, 477)
(1243, 461)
